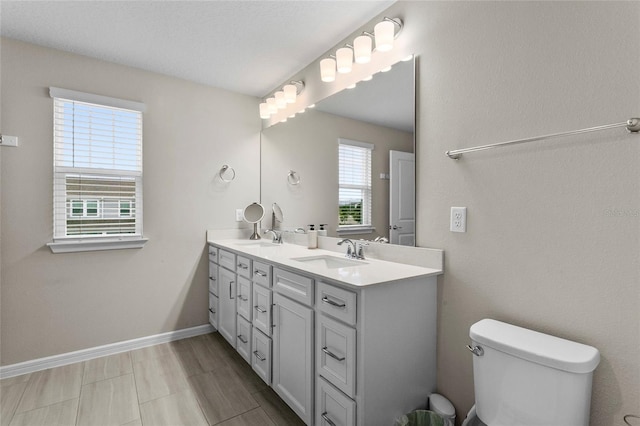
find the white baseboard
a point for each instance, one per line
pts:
(100, 351)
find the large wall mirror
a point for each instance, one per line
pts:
(349, 162)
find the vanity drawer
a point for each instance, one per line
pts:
(336, 354)
(243, 266)
(227, 259)
(262, 273)
(294, 286)
(213, 278)
(243, 343)
(333, 408)
(213, 311)
(262, 309)
(213, 254)
(244, 298)
(261, 355)
(337, 302)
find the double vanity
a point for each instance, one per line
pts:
(341, 341)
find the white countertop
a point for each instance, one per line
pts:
(371, 271)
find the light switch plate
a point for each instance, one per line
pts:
(239, 215)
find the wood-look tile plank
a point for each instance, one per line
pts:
(208, 353)
(10, 381)
(158, 377)
(250, 380)
(51, 386)
(177, 409)
(218, 344)
(58, 414)
(9, 399)
(109, 402)
(107, 367)
(254, 417)
(221, 395)
(151, 352)
(277, 409)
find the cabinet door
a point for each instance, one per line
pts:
(244, 298)
(333, 408)
(336, 354)
(227, 306)
(262, 309)
(293, 355)
(213, 278)
(261, 355)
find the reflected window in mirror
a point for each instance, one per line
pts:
(354, 186)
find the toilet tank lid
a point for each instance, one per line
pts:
(536, 347)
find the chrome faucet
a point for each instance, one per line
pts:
(277, 238)
(354, 250)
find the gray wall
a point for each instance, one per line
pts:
(53, 304)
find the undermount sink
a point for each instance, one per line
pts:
(330, 262)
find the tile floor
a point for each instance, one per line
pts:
(197, 381)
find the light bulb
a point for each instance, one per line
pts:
(264, 111)
(362, 49)
(281, 102)
(344, 58)
(290, 93)
(384, 33)
(328, 70)
(271, 103)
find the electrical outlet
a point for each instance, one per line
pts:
(6, 140)
(239, 215)
(458, 219)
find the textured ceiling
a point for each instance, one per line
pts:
(244, 46)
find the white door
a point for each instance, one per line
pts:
(227, 306)
(293, 356)
(402, 197)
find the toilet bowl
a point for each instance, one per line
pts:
(523, 377)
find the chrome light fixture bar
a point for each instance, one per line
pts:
(384, 34)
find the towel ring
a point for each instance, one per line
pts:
(293, 178)
(226, 170)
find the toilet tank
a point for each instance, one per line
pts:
(528, 378)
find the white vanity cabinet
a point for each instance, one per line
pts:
(213, 286)
(338, 353)
(293, 377)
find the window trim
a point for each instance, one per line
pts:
(365, 228)
(72, 244)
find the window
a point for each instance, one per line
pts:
(354, 192)
(97, 168)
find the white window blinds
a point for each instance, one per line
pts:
(354, 194)
(97, 167)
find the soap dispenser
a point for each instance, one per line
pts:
(312, 237)
(322, 232)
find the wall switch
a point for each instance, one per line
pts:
(458, 219)
(239, 215)
(6, 140)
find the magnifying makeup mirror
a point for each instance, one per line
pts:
(276, 215)
(254, 213)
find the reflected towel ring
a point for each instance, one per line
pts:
(227, 171)
(293, 178)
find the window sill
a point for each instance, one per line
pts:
(354, 230)
(75, 246)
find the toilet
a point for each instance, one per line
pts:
(526, 378)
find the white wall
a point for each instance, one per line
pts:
(53, 304)
(553, 237)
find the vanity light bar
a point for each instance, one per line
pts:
(384, 34)
(281, 99)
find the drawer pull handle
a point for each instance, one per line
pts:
(230, 283)
(260, 309)
(243, 266)
(243, 298)
(212, 311)
(212, 279)
(325, 299)
(242, 338)
(259, 356)
(327, 419)
(260, 273)
(332, 355)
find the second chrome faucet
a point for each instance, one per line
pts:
(354, 250)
